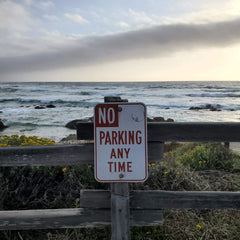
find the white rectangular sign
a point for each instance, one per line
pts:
(120, 142)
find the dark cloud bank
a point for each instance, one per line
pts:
(144, 43)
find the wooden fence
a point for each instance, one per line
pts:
(95, 205)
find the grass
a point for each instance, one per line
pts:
(188, 167)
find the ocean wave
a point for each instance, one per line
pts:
(57, 101)
(29, 124)
(8, 89)
(84, 93)
(167, 106)
(104, 88)
(219, 95)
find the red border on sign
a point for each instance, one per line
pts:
(146, 150)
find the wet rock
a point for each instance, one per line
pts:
(70, 137)
(72, 124)
(39, 107)
(195, 108)
(159, 119)
(50, 106)
(2, 126)
(207, 107)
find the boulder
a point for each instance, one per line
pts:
(195, 108)
(159, 119)
(207, 107)
(2, 126)
(70, 137)
(50, 106)
(39, 107)
(72, 124)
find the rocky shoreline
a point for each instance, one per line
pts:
(207, 107)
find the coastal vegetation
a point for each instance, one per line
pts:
(185, 167)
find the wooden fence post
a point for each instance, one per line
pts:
(120, 212)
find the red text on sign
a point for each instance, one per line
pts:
(106, 115)
(119, 153)
(120, 166)
(120, 137)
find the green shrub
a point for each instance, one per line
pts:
(206, 156)
(171, 175)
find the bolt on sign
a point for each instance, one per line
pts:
(120, 142)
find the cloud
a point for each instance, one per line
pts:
(142, 17)
(75, 18)
(144, 43)
(14, 19)
(123, 25)
(51, 17)
(45, 5)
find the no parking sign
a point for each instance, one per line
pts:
(120, 142)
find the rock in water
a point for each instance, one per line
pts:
(159, 119)
(2, 126)
(39, 107)
(50, 106)
(207, 107)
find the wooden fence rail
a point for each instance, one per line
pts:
(145, 206)
(65, 155)
(157, 199)
(182, 132)
(72, 218)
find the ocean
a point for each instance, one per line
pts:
(24, 107)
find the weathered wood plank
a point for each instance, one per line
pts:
(71, 218)
(85, 130)
(156, 199)
(53, 218)
(155, 151)
(59, 155)
(185, 200)
(142, 217)
(92, 198)
(191, 132)
(183, 132)
(120, 213)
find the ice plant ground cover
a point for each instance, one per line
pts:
(193, 166)
(23, 140)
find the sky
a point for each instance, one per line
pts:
(119, 40)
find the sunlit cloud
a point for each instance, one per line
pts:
(75, 18)
(145, 43)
